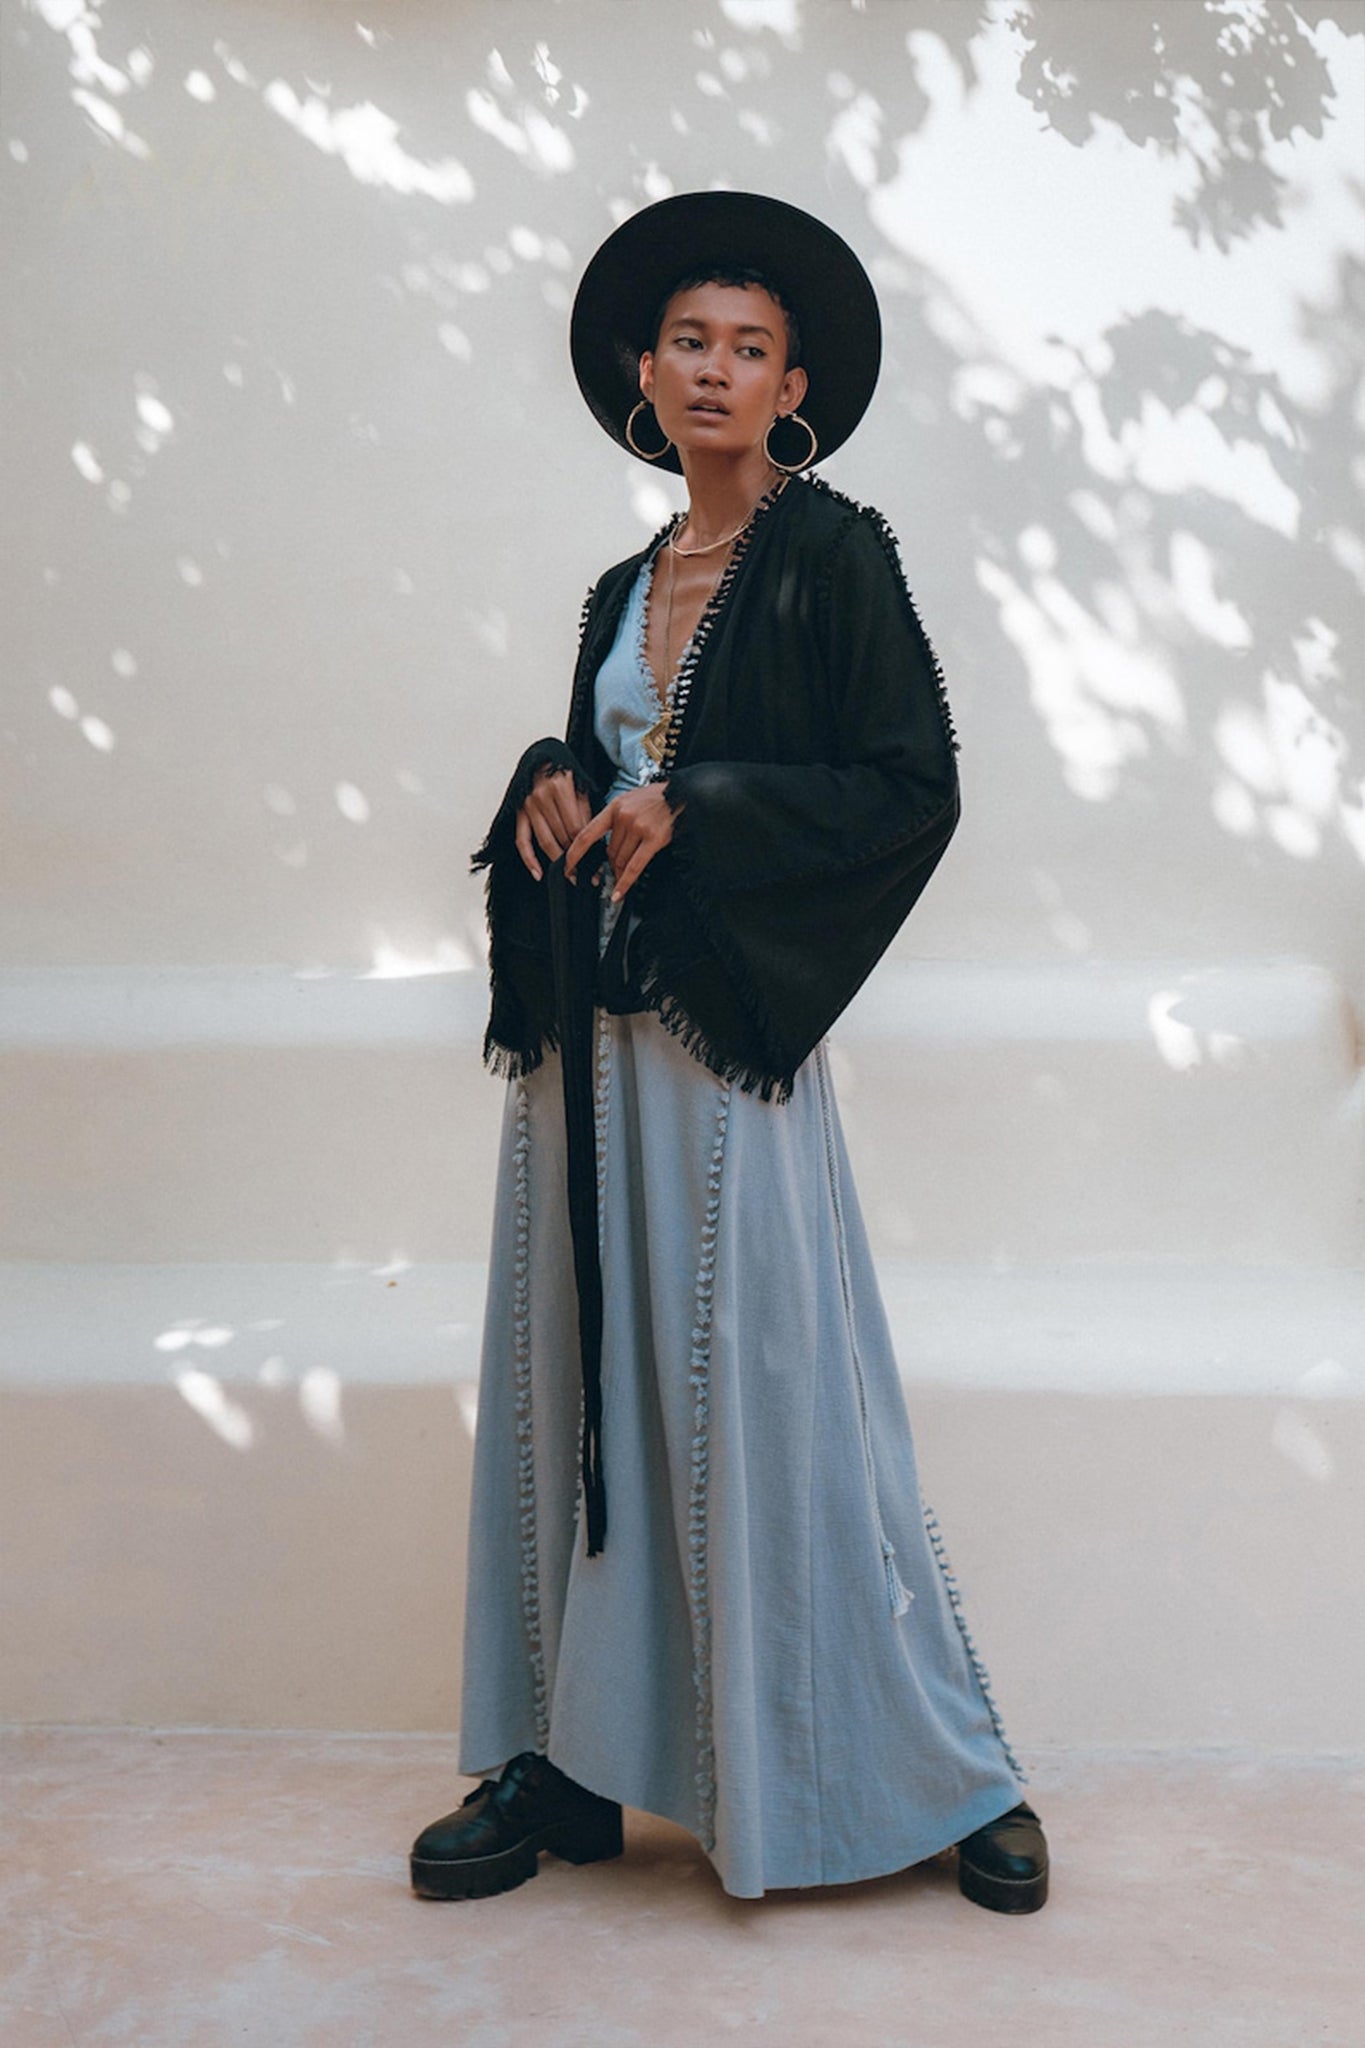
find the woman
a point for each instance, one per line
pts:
(762, 1640)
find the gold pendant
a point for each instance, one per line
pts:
(655, 741)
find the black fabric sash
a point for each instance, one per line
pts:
(574, 908)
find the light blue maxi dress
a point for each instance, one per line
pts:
(770, 1649)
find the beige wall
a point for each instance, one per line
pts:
(1123, 1564)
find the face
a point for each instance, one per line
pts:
(717, 378)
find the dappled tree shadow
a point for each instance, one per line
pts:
(1176, 642)
(1113, 628)
(1204, 82)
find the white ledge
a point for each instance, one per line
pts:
(928, 1001)
(1097, 1330)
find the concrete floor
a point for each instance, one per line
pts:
(212, 1890)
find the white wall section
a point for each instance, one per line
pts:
(301, 503)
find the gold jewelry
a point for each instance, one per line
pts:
(655, 741)
(725, 538)
(711, 545)
(634, 445)
(792, 468)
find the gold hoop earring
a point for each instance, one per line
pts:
(634, 445)
(792, 468)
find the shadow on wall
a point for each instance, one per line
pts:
(374, 230)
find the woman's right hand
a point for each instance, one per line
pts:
(552, 817)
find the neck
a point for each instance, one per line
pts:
(722, 491)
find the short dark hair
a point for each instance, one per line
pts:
(741, 275)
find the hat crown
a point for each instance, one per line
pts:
(630, 279)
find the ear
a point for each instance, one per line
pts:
(647, 374)
(794, 388)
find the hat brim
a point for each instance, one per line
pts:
(625, 284)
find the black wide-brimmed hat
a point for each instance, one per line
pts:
(628, 281)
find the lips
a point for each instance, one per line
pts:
(710, 405)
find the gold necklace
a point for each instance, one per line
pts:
(655, 741)
(725, 538)
(711, 545)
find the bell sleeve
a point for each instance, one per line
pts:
(787, 883)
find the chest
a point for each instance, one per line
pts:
(677, 593)
(761, 689)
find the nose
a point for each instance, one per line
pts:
(711, 368)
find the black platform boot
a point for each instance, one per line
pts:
(1004, 1865)
(492, 1840)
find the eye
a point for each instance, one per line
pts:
(687, 341)
(754, 348)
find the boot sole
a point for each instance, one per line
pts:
(483, 1877)
(1002, 1894)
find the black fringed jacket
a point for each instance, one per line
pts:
(813, 776)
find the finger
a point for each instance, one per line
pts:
(595, 829)
(548, 836)
(634, 868)
(525, 844)
(571, 809)
(548, 788)
(622, 849)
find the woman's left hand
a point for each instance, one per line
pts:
(640, 823)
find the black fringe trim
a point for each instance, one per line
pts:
(740, 1073)
(580, 681)
(508, 1063)
(752, 1057)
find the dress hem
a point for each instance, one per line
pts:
(922, 1846)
